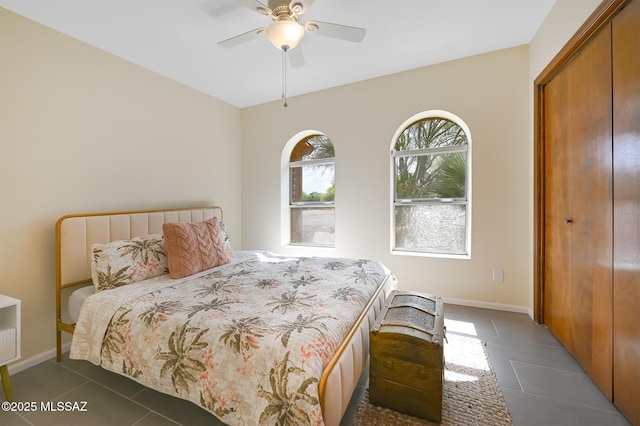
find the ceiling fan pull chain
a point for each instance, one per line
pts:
(284, 74)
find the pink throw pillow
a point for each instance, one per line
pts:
(193, 247)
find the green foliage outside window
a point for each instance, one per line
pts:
(430, 179)
(431, 174)
(329, 195)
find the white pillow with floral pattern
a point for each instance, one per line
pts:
(125, 262)
(225, 239)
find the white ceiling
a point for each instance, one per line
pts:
(177, 38)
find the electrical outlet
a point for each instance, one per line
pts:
(498, 275)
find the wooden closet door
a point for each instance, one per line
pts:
(578, 210)
(626, 207)
(557, 265)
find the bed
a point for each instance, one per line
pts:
(259, 338)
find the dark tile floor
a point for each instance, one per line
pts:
(541, 383)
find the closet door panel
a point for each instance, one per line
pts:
(578, 208)
(557, 265)
(626, 157)
(592, 210)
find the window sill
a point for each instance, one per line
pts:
(434, 255)
(301, 248)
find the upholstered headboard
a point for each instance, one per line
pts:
(76, 233)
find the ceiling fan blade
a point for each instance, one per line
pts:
(242, 38)
(343, 32)
(256, 6)
(296, 57)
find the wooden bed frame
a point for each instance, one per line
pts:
(76, 233)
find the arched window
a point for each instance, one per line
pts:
(312, 192)
(431, 163)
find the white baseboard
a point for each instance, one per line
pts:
(18, 366)
(489, 305)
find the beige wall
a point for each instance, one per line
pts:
(489, 92)
(84, 131)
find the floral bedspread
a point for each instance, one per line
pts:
(247, 341)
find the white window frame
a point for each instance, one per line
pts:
(285, 190)
(431, 114)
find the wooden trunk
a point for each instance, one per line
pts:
(407, 355)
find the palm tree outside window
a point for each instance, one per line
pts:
(431, 186)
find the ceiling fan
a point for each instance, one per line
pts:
(286, 30)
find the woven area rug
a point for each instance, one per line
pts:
(470, 395)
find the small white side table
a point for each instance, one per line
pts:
(9, 339)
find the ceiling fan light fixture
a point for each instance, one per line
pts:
(285, 33)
